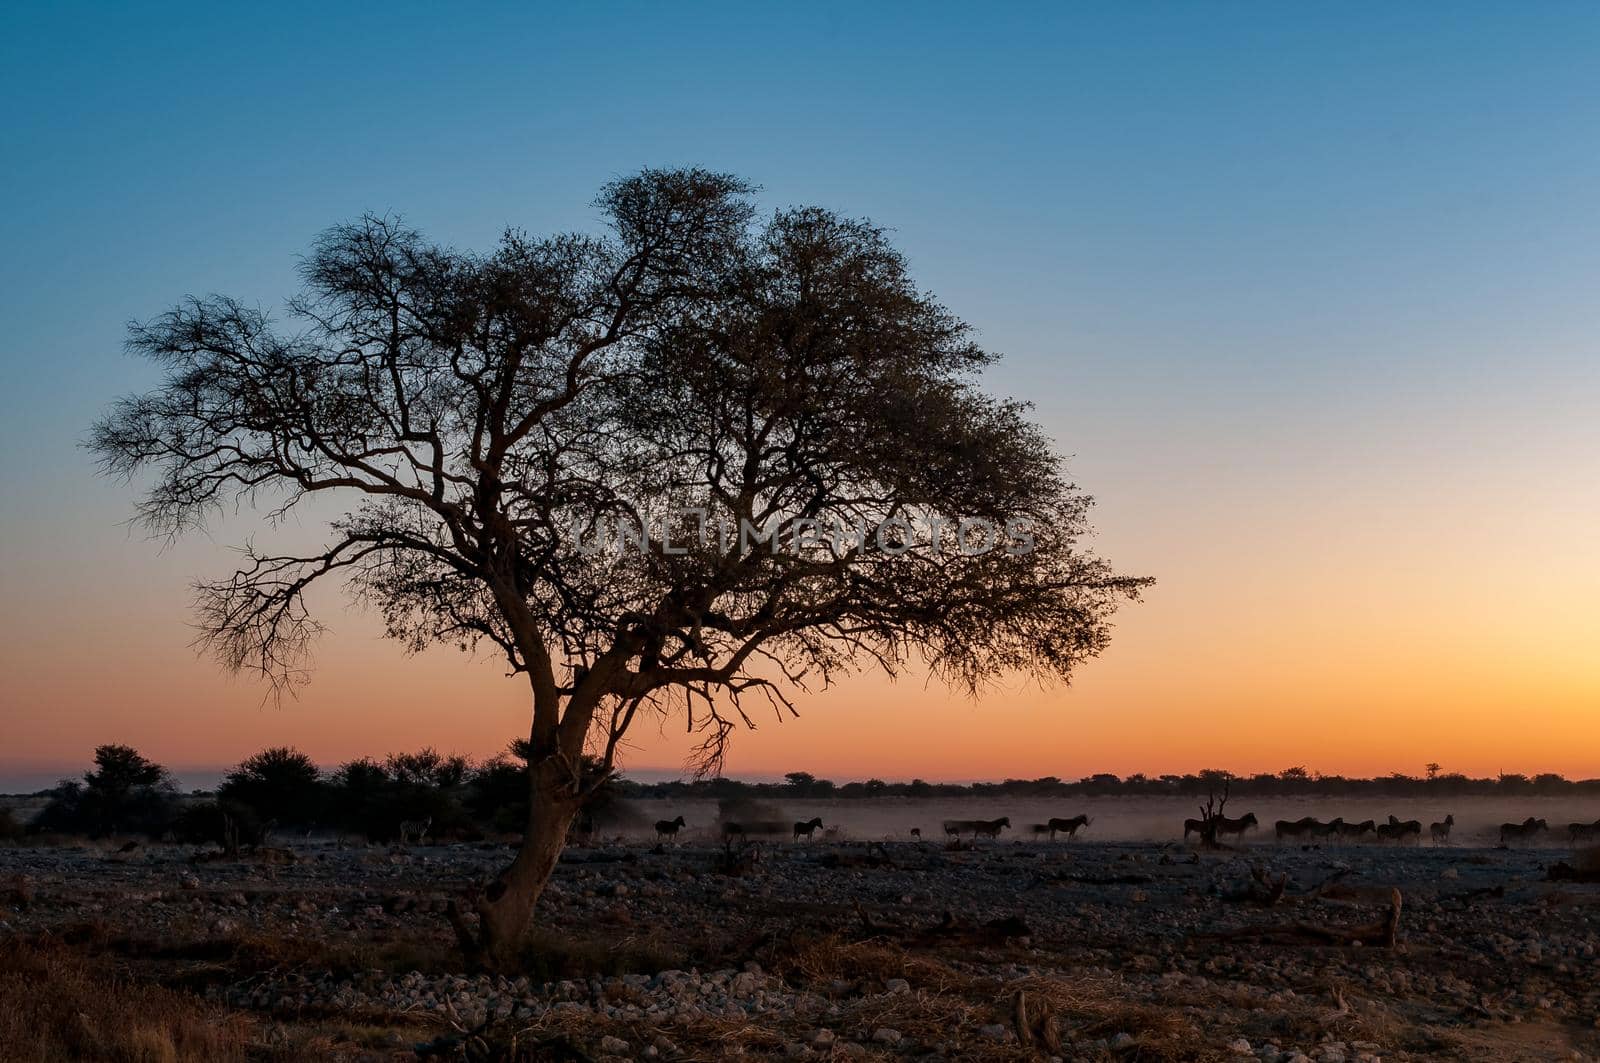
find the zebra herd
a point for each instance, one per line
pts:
(1394, 830)
(1410, 830)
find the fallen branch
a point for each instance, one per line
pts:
(948, 931)
(1381, 934)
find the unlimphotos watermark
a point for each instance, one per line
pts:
(684, 530)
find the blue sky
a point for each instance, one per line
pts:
(1275, 275)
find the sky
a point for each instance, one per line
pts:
(1307, 295)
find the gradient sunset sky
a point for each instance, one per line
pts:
(1312, 298)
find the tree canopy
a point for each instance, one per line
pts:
(693, 368)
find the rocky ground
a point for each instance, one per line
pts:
(838, 950)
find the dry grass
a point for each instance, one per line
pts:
(59, 1006)
(825, 959)
(948, 1004)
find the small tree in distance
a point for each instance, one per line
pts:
(800, 782)
(488, 415)
(126, 791)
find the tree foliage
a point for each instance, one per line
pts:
(488, 411)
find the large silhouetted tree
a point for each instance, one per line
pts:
(695, 371)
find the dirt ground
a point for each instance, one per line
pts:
(1007, 950)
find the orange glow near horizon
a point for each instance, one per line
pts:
(1352, 624)
(1376, 658)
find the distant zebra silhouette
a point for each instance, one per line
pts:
(1357, 830)
(1069, 827)
(808, 828)
(1583, 832)
(1521, 832)
(1306, 826)
(754, 827)
(1440, 832)
(414, 830)
(1397, 831)
(1238, 826)
(669, 828)
(989, 828)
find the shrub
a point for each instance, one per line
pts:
(125, 793)
(278, 784)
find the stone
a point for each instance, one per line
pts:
(885, 1035)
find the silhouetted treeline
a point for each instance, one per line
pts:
(1286, 783)
(281, 791)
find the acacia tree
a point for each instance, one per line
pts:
(692, 375)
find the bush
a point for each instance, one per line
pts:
(279, 785)
(219, 823)
(372, 799)
(498, 797)
(358, 792)
(126, 793)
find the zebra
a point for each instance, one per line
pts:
(414, 830)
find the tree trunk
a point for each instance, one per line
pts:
(505, 906)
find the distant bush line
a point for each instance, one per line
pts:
(281, 790)
(1294, 781)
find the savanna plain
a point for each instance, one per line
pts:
(864, 941)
